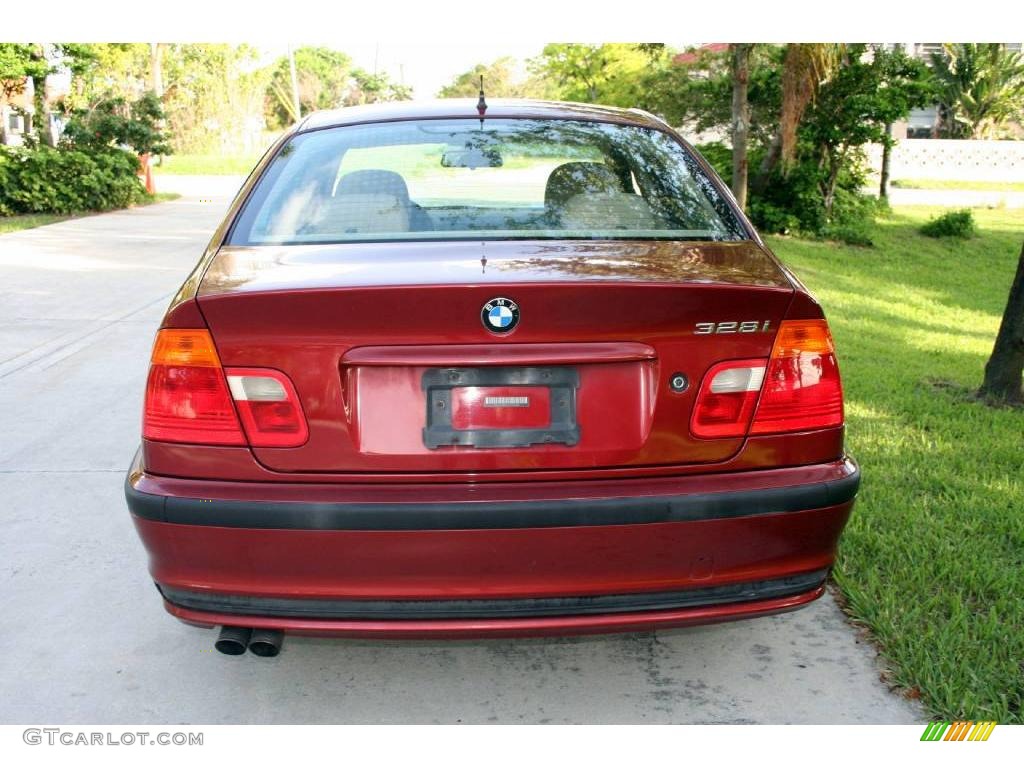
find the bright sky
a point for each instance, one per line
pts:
(429, 67)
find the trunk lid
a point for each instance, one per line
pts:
(396, 372)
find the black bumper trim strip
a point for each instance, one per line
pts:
(490, 515)
(374, 610)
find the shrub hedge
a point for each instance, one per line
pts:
(793, 202)
(48, 180)
(951, 224)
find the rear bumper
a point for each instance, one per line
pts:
(492, 559)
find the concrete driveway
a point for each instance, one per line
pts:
(83, 636)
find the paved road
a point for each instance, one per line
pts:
(83, 637)
(955, 198)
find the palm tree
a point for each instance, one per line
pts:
(805, 66)
(980, 88)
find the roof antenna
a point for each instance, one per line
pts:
(481, 104)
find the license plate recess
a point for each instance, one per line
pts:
(560, 381)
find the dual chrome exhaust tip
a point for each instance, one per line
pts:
(234, 641)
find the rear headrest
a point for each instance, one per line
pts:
(571, 179)
(373, 182)
(357, 212)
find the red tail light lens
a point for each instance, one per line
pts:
(269, 407)
(802, 388)
(727, 398)
(187, 398)
(797, 389)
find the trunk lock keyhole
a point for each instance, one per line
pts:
(679, 383)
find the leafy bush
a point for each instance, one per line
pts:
(793, 202)
(851, 234)
(950, 224)
(853, 214)
(47, 180)
(116, 123)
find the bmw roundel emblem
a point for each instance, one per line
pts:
(500, 315)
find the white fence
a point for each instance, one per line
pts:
(953, 160)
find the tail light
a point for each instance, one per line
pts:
(268, 407)
(188, 399)
(797, 389)
(802, 389)
(727, 399)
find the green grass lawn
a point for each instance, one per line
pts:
(207, 165)
(932, 561)
(979, 186)
(28, 221)
(32, 220)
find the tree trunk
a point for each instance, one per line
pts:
(740, 120)
(155, 70)
(829, 189)
(296, 102)
(883, 186)
(771, 159)
(1005, 369)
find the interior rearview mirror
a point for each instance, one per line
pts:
(476, 157)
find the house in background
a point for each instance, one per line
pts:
(16, 113)
(18, 105)
(692, 56)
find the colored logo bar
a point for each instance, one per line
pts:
(961, 730)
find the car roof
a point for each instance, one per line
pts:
(463, 108)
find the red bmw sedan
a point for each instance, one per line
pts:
(524, 369)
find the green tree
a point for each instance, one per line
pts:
(115, 122)
(599, 74)
(19, 61)
(818, 191)
(212, 94)
(214, 97)
(698, 94)
(103, 71)
(369, 88)
(867, 91)
(324, 77)
(805, 67)
(980, 87)
(499, 81)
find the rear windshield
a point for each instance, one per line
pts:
(470, 179)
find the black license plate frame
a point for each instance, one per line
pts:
(562, 429)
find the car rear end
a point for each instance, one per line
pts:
(440, 376)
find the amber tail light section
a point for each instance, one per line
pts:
(187, 399)
(802, 389)
(190, 398)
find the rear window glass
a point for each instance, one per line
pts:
(472, 179)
